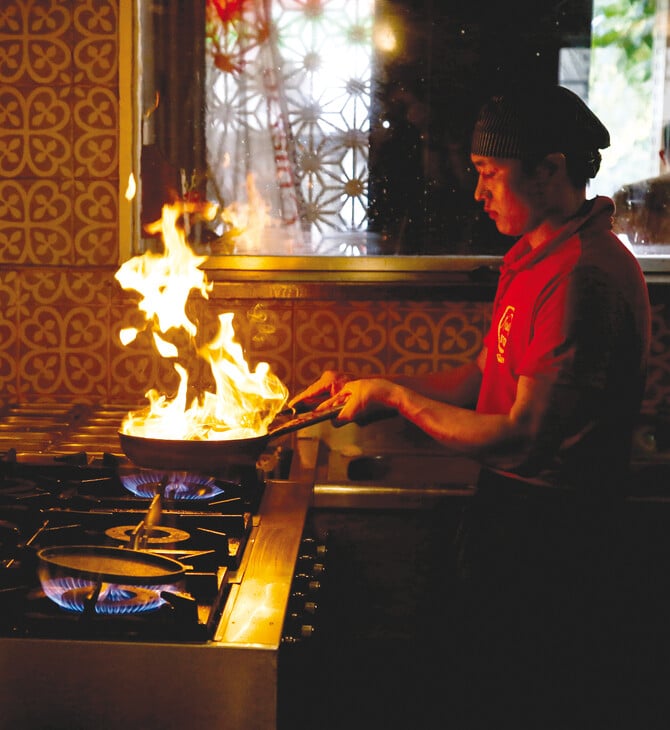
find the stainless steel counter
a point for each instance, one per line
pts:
(387, 465)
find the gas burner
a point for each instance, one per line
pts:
(113, 599)
(17, 488)
(178, 485)
(156, 535)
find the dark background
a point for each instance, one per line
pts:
(459, 53)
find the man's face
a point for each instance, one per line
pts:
(506, 193)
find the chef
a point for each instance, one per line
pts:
(549, 405)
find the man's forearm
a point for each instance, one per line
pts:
(459, 386)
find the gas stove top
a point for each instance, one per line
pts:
(57, 499)
(205, 653)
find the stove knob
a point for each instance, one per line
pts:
(305, 584)
(311, 546)
(296, 631)
(310, 607)
(300, 609)
(307, 565)
(306, 631)
(298, 602)
(304, 563)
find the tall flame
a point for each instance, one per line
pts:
(245, 402)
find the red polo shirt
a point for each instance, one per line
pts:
(575, 308)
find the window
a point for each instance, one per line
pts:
(341, 127)
(288, 123)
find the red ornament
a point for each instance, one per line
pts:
(228, 10)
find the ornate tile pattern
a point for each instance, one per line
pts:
(426, 337)
(61, 309)
(9, 347)
(339, 336)
(63, 341)
(367, 338)
(58, 132)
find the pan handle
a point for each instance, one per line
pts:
(304, 420)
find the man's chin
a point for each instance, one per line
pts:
(507, 230)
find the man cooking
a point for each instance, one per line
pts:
(549, 406)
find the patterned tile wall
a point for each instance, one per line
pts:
(300, 339)
(61, 309)
(58, 133)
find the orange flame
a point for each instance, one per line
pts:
(245, 402)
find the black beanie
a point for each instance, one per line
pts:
(537, 122)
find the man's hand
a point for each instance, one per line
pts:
(328, 385)
(363, 400)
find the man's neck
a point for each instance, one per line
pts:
(570, 207)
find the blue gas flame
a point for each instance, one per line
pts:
(73, 595)
(180, 485)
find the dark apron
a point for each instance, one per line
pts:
(530, 623)
(540, 570)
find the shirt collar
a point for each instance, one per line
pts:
(522, 255)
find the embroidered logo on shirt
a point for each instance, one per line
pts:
(504, 327)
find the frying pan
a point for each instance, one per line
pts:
(109, 564)
(73, 576)
(210, 456)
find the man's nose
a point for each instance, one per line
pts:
(480, 190)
